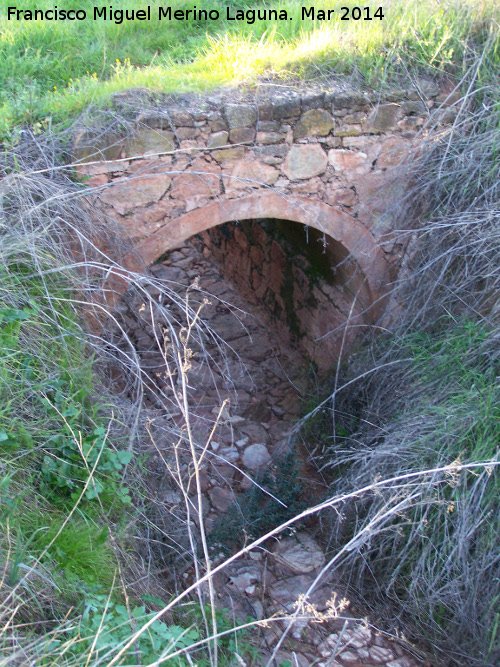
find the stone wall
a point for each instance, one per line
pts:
(329, 159)
(338, 147)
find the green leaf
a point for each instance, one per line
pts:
(124, 457)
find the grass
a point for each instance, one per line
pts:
(426, 394)
(68, 594)
(72, 577)
(438, 559)
(45, 78)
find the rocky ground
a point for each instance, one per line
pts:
(242, 443)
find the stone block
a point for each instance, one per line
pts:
(448, 116)
(286, 107)
(240, 115)
(150, 165)
(105, 146)
(448, 99)
(383, 118)
(413, 108)
(199, 116)
(268, 126)
(349, 100)
(117, 167)
(392, 152)
(353, 118)
(299, 553)
(206, 182)
(191, 146)
(221, 499)
(218, 139)
(97, 180)
(228, 154)
(180, 118)
(265, 111)
(410, 123)
(147, 141)
(158, 120)
(186, 133)
(218, 125)
(275, 150)
(128, 193)
(242, 135)
(308, 187)
(315, 122)
(271, 160)
(305, 161)
(267, 138)
(379, 654)
(313, 101)
(427, 88)
(394, 95)
(348, 131)
(340, 196)
(256, 456)
(349, 656)
(342, 159)
(250, 175)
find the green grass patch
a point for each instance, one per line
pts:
(51, 70)
(438, 559)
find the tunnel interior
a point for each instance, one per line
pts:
(303, 282)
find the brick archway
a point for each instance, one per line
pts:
(328, 159)
(352, 235)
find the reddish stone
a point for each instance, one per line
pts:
(150, 165)
(205, 182)
(241, 238)
(97, 180)
(129, 193)
(392, 152)
(310, 186)
(343, 160)
(249, 175)
(304, 161)
(256, 254)
(340, 196)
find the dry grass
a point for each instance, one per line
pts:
(417, 497)
(426, 395)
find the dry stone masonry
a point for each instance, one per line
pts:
(326, 159)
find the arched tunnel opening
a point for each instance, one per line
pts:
(275, 288)
(283, 301)
(304, 283)
(280, 303)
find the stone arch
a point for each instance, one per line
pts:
(344, 229)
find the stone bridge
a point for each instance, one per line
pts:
(328, 160)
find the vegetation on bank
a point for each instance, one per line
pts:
(425, 396)
(52, 70)
(428, 392)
